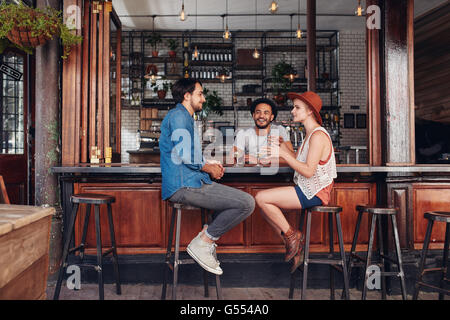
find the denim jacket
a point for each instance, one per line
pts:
(181, 153)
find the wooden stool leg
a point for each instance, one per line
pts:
(99, 252)
(342, 252)
(85, 227)
(422, 259)
(218, 288)
(65, 251)
(176, 258)
(331, 252)
(114, 249)
(168, 255)
(306, 260)
(353, 248)
(445, 260)
(381, 253)
(399, 256)
(369, 254)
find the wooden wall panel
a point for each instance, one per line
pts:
(138, 214)
(348, 196)
(142, 220)
(429, 198)
(432, 65)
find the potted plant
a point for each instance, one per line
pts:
(26, 28)
(173, 45)
(280, 84)
(161, 88)
(154, 39)
(212, 104)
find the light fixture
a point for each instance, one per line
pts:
(183, 14)
(255, 52)
(292, 73)
(298, 33)
(195, 48)
(222, 76)
(359, 11)
(273, 7)
(226, 33)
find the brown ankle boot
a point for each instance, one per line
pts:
(293, 239)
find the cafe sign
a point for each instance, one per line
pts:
(13, 73)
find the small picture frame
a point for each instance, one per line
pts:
(349, 120)
(361, 121)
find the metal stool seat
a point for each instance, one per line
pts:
(173, 265)
(96, 200)
(433, 216)
(338, 264)
(375, 212)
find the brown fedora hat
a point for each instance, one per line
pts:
(312, 99)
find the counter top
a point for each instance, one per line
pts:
(154, 168)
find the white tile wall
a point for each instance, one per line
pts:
(352, 68)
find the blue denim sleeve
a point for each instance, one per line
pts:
(186, 142)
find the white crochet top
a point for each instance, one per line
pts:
(324, 175)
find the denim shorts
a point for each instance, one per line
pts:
(314, 201)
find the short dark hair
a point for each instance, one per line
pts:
(272, 105)
(182, 86)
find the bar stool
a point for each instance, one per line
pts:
(432, 217)
(173, 265)
(331, 210)
(96, 200)
(376, 213)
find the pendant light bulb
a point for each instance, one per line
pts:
(359, 10)
(255, 54)
(195, 52)
(299, 33)
(273, 7)
(227, 33)
(183, 15)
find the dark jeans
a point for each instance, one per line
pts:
(230, 205)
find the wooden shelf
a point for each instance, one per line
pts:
(295, 48)
(197, 63)
(162, 60)
(248, 68)
(217, 45)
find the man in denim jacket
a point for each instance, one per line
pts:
(186, 176)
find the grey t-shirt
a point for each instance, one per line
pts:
(251, 143)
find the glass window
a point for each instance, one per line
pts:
(11, 107)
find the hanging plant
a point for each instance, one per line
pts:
(27, 28)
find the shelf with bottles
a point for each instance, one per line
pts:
(296, 48)
(211, 74)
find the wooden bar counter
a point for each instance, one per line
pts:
(142, 218)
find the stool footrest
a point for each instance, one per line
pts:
(389, 259)
(429, 270)
(325, 261)
(440, 290)
(108, 252)
(74, 249)
(390, 274)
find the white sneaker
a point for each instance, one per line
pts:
(204, 254)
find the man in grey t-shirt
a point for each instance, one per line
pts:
(252, 140)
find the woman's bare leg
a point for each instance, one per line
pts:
(271, 201)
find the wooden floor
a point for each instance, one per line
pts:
(142, 291)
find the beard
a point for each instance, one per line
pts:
(264, 126)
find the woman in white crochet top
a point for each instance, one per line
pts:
(315, 169)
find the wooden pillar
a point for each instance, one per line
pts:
(311, 44)
(71, 95)
(373, 87)
(398, 115)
